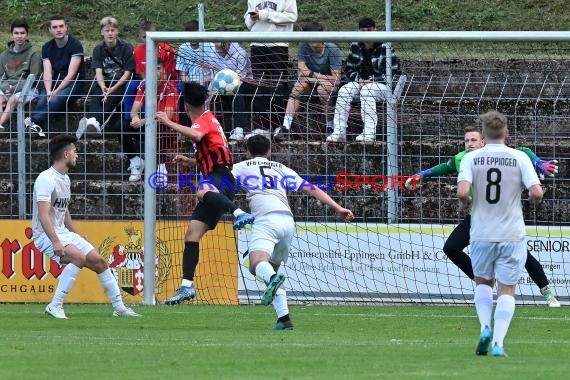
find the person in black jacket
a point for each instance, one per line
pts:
(365, 67)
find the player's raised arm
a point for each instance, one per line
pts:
(544, 168)
(317, 193)
(184, 160)
(163, 118)
(438, 170)
(473, 140)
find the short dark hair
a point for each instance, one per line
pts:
(57, 17)
(192, 26)
(472, 128)
(313, 27)
(194, 94)
(258, 145)
(366, 22)
(20, 22)
(58, 144)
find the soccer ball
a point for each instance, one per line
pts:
(226, 82)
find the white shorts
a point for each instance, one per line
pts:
(44, 244)
(273, 233)
(504, 261)
(31, 95)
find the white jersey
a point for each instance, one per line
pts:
(266, 184)
(497, 174)
(54, 187)
(274, 16)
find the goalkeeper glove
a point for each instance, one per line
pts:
(545, 167)
(412, 182)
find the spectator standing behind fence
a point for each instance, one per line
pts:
(365, 71)
(270, 61)
(319, 67)
(16, 63)
(63, 72)
(132, 134)
(166, 54)
(232, 56)
(114, 64)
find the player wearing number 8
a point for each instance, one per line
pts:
(458, 240)
(490, 181)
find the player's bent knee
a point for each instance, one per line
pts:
(196, 229)
(77, 260)
(450, 250)
(96, 262)
(452, 247)
(255, 258)
(73, 255)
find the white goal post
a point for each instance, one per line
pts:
(392, 149)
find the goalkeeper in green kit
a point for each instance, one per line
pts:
(458, 240)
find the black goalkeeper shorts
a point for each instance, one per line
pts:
(224, 180)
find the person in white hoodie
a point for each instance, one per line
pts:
(269, 61)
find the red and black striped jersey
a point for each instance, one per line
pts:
(212, 150)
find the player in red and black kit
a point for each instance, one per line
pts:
(216, 197)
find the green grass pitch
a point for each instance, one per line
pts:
(236, 342)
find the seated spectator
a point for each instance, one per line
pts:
(132, 138)
(63, 72)
(365, 70)
(319, 65)
(114, 64)
(232, 56)
(194, 64)
(166, 54)
(16, 63)
(194, 59)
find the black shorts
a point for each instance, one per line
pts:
(224, 180)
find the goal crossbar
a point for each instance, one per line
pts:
(349, 36)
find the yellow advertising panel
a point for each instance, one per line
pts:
(28, 276)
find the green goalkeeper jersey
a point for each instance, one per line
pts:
(452, 166)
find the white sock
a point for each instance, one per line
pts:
(484, 304)
(112, 290)
(187, 283)
(287, 121)
(66, 281)
(265, 271)
(280, 303)
(238, 212)
(503, 316)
